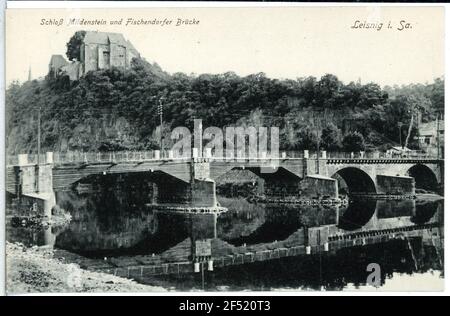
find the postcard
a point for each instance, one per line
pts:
(259, 148)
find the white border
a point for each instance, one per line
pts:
(2, 154)
(196, 4)
(161, 4)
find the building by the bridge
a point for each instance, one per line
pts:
(98, 50)
(431, 137)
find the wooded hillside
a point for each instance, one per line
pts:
(117, 109)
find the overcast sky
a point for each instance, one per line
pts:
(282, 42)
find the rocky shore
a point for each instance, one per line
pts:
(34, 270)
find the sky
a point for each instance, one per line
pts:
(281, 42)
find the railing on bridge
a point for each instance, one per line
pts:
(86, 157)
(138, 156)
(379, 155)
(32, 159)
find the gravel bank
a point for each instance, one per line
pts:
(35, 270)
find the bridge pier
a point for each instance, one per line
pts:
(197, 195)
(312, 187)
(395, 185)
(34, 184)
(317, 186)
(203, 188)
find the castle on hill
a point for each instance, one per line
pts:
(98, 50)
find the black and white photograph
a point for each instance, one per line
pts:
(224, 149)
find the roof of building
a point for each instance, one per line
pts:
(399, 148)
(318, 176)
(430, 128)
(93, 37)
(58, 61)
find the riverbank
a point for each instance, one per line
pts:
(34, 270)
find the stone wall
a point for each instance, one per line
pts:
(204, 193)
(28, 175)
(310, 166)
(316, 186)
(73, 70)
(89, 57)
(101, 56)
(200, 170)
(41, 203)
(118, 55)
(395, 185)
(279, 188)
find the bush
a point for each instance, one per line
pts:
(331, 138)
(353, 141)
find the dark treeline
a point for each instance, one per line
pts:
(117, 109)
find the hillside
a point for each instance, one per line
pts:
(117, 109)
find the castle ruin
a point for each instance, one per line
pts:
(98, 50)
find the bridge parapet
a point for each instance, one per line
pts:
(381, 160)
(73, 157)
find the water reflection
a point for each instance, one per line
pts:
(109, 224)
(357, 214)
(261, 223)
(424, 211)
(111, 228)
(329, 272)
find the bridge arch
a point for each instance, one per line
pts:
(139, 187)
(356, 180)
(424, 177)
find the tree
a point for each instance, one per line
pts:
(306, 139)
(82, 114)
(331, 138)
(353, 141)
(437, 95)
(328, 91)
(74, 44)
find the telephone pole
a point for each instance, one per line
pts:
(438, 143)
(39, 136)
(160, 112)
(317, 126)
(317, 146)
(38, 160)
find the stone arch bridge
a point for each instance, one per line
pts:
(190, 182)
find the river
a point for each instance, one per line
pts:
(116, 229)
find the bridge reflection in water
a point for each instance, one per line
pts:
(256, 246)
